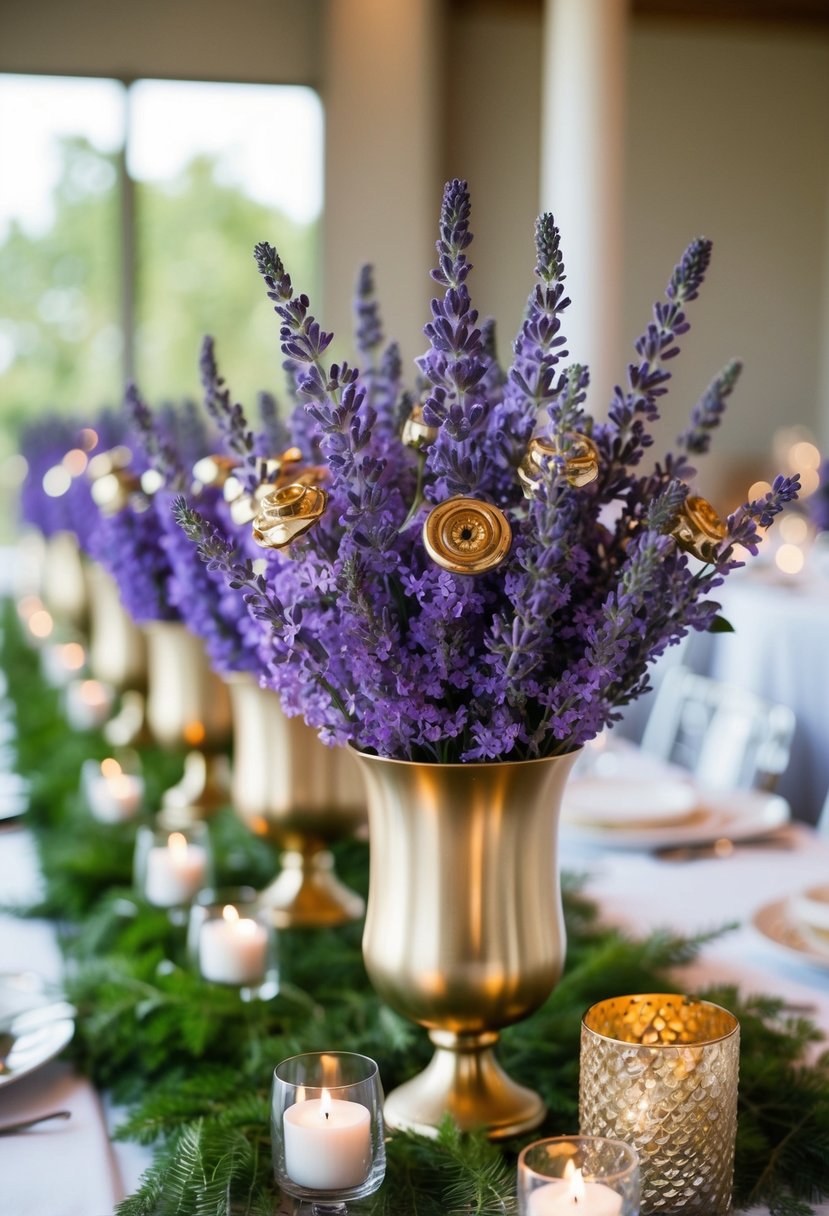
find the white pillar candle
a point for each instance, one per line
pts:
(574, 1197)
(327, 1143)
(233, 949)
(175, 872)
(112, 794)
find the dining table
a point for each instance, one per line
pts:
(73, 1168)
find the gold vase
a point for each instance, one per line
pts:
(464, 929)
(301, 795)
(65, 590)
(188, 709)
(117, 657)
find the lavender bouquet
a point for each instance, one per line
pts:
(490, 578)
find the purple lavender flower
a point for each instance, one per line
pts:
(372, 642)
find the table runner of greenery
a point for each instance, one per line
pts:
(193, 1062)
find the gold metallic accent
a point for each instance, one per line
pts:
(188, 709)
(580, 454)
(300, 795)
(116, 458)
(659, 1070)
(698, 528)
(112, 492)
(117, 657)
(416, 433)
(285, 514)
(464, 930)
(213, 471)
(467, 536)
(65, 589)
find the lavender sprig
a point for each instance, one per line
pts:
(155, 446)
(229, 417)
(708, 411)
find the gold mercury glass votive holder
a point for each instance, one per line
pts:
(231, 940)
(574, 1174)
(659, 1071)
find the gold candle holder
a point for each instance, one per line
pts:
(301, 795)
(188, 710)
(659, 1071)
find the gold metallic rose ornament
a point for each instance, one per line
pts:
(467, 536)
(464, 930)
(580, 455)
(285, 514)
(698, 528)
(416, 433)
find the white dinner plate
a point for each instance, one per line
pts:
(777, 925)
(622, 802)
(735, 814)
(22, 996)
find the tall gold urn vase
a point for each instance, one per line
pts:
(464, 929)
(301, 795)
(188, 710)
(117, 657)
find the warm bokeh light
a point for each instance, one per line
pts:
(56, 481)
(809, 482)
(790, 559)
(75, 462)
(793, 528)
(72, 656)
(804, 455)
(194, 733)
(40, 623)
(88, 439)
(28, 606)
(758, 490)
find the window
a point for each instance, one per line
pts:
(128, 216)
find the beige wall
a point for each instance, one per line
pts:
(253, 40)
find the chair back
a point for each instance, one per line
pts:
(727, 737)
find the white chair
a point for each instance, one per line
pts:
(727, 737)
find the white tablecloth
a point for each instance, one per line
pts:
(68, 1169)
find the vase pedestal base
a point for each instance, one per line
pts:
(308, 894)
(465, 1080)
(203, 789)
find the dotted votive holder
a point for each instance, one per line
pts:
(659, 1071)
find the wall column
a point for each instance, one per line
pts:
(583, 105)
(383, 94)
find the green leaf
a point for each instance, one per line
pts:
(720, 625)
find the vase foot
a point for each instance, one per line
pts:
(308, 894)
(465, 1080)
(129, 727)
(203, 788)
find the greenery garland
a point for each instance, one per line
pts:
(194, 1062)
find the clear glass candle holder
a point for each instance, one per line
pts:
(578, 1176)
(232, 941)
(659, 1071)
(327, 1129)
(172, 865)
(113, 788)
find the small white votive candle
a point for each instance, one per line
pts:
(112, 795)
(60, 662)
(572, 1196)
(327, 1143)
(233, 949)
(175, 872)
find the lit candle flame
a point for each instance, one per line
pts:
(325, 1103)
(110, 768)
(230, 914)
(177, 844)
(575, 1191)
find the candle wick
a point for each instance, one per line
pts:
(326, 1114)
